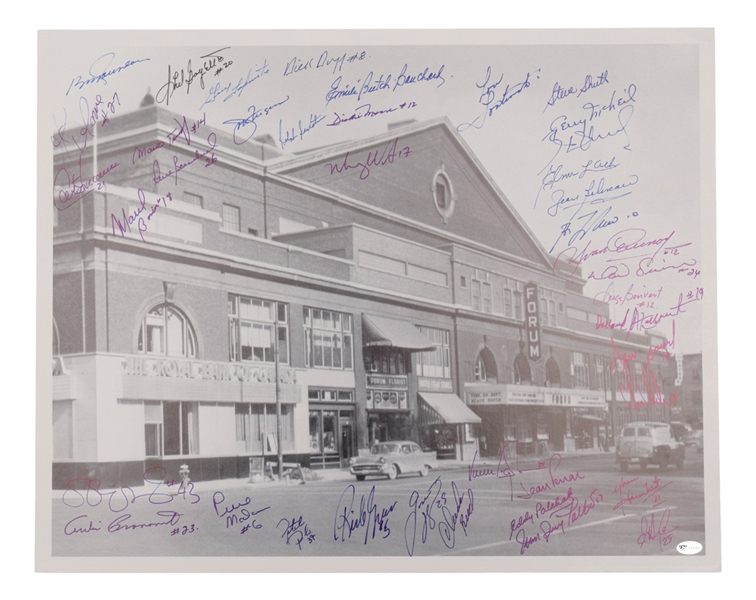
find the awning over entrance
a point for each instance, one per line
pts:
(379, 331)
(449, 408)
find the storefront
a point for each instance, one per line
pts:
(446, 425)
(536, 420)
(332, 427)
(387, 346)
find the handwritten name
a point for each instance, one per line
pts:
(377, 158)
(246, 127)
(99, 73)
(366, 110)
(367, 515)
(493, 99)
(230, 90)
(213, 62)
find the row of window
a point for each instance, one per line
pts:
(256, 325)
(507, 298)
(172, 428)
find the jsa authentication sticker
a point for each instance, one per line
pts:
(689, 547)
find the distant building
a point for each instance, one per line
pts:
(688, 393)
(403, 295)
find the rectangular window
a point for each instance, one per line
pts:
(486, 297)
(328, 395)
(193, 199)
(435, 363)
(255, 422)
(171, 428)
(384, 360)
(328, 339)
(603, 372)
(254, 327)
(475, 290)
(548, 307)
(579, 369)
(231, 217)
(513, 299)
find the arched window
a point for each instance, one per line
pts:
(485, 367)
(480, 369)
(165, 330)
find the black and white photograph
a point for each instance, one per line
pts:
(433, 298)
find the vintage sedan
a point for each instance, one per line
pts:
(389, 459)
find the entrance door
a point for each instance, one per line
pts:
(347, 439)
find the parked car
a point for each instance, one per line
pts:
(389, 459)
(648, 442)
(695, 439)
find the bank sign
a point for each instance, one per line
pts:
(532, 324)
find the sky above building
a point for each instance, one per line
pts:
(596, 145)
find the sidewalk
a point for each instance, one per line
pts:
(342, 474)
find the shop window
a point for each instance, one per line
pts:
(328, 339)
(255, 422)
(330, 395)
(386, 399)
(579, 370)
(166, 331)
(513, 299)
(385, 360)
(437, 362)
(231, 217)
(171, 428)
(256, 328)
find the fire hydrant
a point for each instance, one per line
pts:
(184, 474)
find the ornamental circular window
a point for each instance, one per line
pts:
(443, 194)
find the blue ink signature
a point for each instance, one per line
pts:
(177, 79)
(288, 135)
(382, 82)
(560, 93)
(570, 134)
(237, 513)
(216, 91)
(347, 520)
(451, 513)
(558, 174)
(297, 530)
(99, 72)
(366, 110)
(119, 500)
(297, 65)
(242, 123)
(494, 100)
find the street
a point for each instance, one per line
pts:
(571, 506)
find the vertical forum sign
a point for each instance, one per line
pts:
(532, 323)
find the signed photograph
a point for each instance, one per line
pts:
(377, 301)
